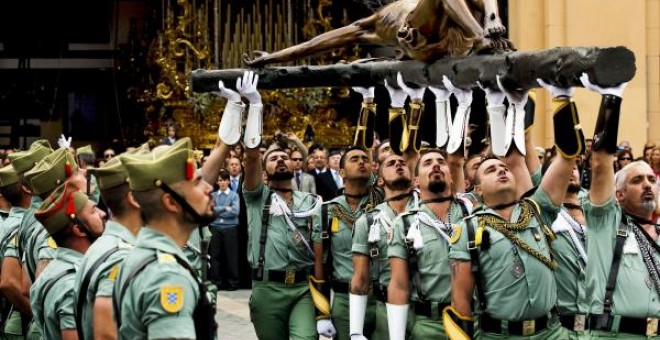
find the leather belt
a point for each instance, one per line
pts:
(380, 292)
(637, 326)
(340, 287)
(523, 328)
(574, 322)
(426, 308)
(289, 277)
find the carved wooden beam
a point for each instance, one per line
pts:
(560, 66)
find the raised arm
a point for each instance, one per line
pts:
(605, 138)
(247, 86)
(569, 140)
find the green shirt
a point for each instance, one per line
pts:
(531, 293)
(193, 248)
(571, 272)
(160, 301)
(361, 244)
(53, 310)
(433, 257)
(342, 234)
(634, 293)
(284, 247)
(102, 281)
(9, 233)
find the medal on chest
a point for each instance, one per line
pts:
(517, 268)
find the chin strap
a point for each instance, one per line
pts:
(186, 207)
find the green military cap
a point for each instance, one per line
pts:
(26, 160)
(85, 150)
(61, 207)
(113, 173)
(168, 164)
(8, 176)
(51, 171)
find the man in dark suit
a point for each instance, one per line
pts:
(235, 168)
(325, 183)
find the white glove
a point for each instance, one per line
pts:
(463, 96)
(397, 96)
(441, 95)
(366, 92)
(514, 98)
(415, 94)
(64, 142)
(231, 95)
(494, 97)
(253, 126)
(358, 337)
(247, 87)
(442, 115)
(397, 317)
(614, 91)
(556, 91)
(229, 130)
(324, 327)
(357, 307)
(499, 140)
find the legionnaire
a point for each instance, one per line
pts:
(74, 222)
(370, 236)
(11, 277)
(504, 247)
(284, 236)
(10, 189)
(339, 216)
(622, 247)
(418, 251)
(85, 157)
(158, 293)
(100, 266)
(35, 246)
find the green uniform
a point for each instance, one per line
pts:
(282, 310)
(634, 293)
(432, 263)
(570, 251)
(8, 248)
(160, 300)
(193, 249)
(51, 296)
(517, 285)
(116, 239)
(341, 221)
(384, 216)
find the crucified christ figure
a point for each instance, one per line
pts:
(424, 30)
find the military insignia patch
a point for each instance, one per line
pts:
(171, 298)
(390, 235)
(51, 243)
(456, 233)
(113, 272)
(335, 225)
(166, 258)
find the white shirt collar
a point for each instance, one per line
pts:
(227, 191)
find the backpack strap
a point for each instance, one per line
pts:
(50, 283)
(621, 236)
(265, 217)
(118, 295)
(373, 251)
(326, 238)
(473, 248)
(84, 286)
(413, 262)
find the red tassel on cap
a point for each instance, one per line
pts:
(190, 169)
(67, 169)
(70, 206)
